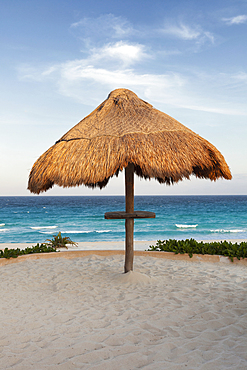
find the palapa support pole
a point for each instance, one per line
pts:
(129, 215)
(129, 222)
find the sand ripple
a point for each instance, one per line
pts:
(84, 313)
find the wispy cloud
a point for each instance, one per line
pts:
(116, 61)
(39, 74)
(112, 56)
(107, 27)
(76, 79)
(185, 32)
(239, 19)
(76, 71)
(241, 77)
(208, 36)
(181, 31)
(83, 81)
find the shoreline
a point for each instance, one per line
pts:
(140, 245)
(107, 249)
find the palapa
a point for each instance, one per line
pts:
(126, 132)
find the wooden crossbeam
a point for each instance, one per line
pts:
(125, 215)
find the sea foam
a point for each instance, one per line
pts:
(185, 226)
(77, 231)
(103, 231)
(227, 231)
(43, 227)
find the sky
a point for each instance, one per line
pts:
(60, 59)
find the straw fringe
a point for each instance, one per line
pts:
(122, 130)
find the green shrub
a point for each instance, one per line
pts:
(57, 242)
(14, 253)
(191, 246)
(60, 241)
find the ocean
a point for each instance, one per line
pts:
(33, 219)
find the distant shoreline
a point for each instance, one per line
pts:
(111, 245)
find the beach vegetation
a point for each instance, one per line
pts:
(14, 253)
(60, 241)
(50, 245)
(191, 246)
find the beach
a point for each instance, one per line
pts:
(105, 245)
(82, 312)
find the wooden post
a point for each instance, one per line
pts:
(129, 223)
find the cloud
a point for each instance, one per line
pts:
(27, 72)
(87, 83)
(87, 80)
(113, 56)
(182, 32)
(209, 36)
(111, 64)
(76, 80)
(106, 26)
(106, 29)
(187, 33)
(236, 20)
(120, 52)
(241, 77)
(76, 71)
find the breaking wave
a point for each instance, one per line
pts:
(43, 227)
(227, 231)
(77, 231)
(181, 226)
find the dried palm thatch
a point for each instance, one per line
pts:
(125, 129)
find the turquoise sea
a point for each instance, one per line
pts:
(36, 218)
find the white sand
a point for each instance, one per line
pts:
(112, 245)
(83, 313)
(139, 245)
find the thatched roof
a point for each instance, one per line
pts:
(125, 129)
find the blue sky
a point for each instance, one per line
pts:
(60, 59)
